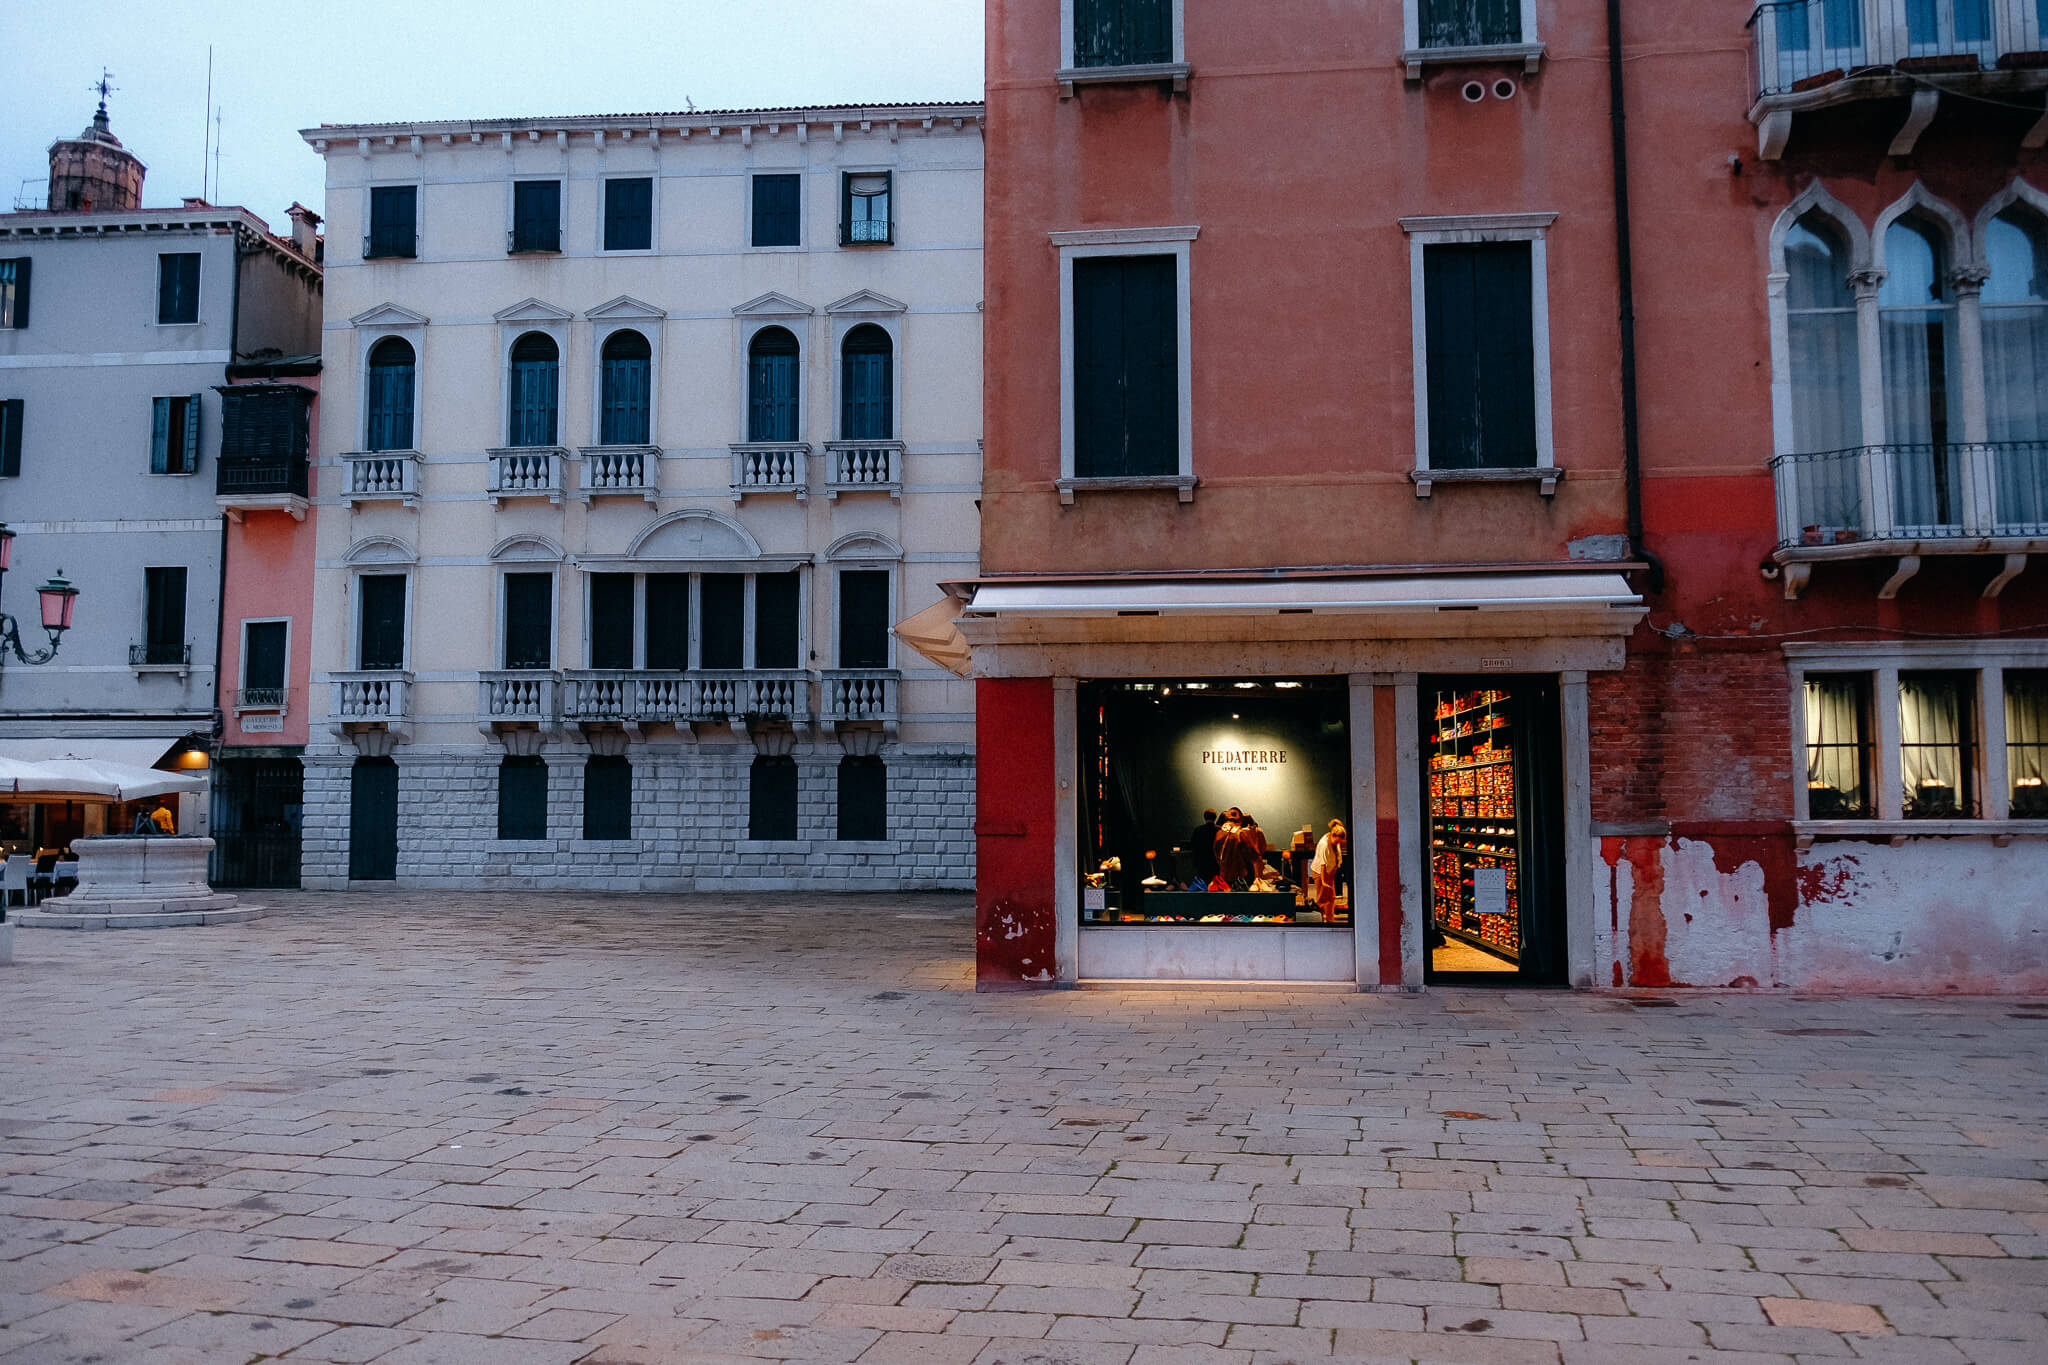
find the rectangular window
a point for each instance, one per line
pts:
(11, 416)
(778, 216)
(1937, 745)
(177, 287)
(536, 215)
(771, 798)
(163, 615)
(1126, 380)
(864, 209)
(394, 222)
(529, 620)
(668, 621)
(611, 620)
(2026, 739)
(1469, 23)
(523, 798)
(174, 435)
(628, 215)
(607, 797)
(863, 798)
(723, 597)
(1838, 746)
(263, 646)
(864, 618)
(14, 273)
(1123, 32)
(1481, 355)
(380, 621)
(775, 621)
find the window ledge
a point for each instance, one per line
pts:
(1530, 55)
(604, 846)
(1071, 76)
(775, 846)
(1184, 484)
(519, 845)
(1545, 477)
(879, 848)
(181, 670)
(2000, 832)
(239, 711)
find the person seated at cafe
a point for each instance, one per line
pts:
(162, 819)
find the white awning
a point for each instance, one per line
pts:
(136, 753)
(1480, 592)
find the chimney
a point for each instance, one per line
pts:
(305, 231)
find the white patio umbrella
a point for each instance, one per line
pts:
(89, 779)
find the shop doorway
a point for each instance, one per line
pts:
(1493, 785)
(257, 809)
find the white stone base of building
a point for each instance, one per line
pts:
(689, 822)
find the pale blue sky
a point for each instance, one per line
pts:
(280, 67)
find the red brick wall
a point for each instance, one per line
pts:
(1691, 734)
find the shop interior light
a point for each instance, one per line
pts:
(1246, 687)
(2028, 782)
(1197, 687)
(1289, 686)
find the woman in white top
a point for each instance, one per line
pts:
(1325, 868)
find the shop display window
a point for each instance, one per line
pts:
(1215, 802)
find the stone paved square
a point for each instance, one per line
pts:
(422, 1129)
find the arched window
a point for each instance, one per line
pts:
(771, 386)
(2015, 359)
(623, 390)
(390, 410)
(1917, 339)
(534, 365)
(1820, 312)
(867, 406)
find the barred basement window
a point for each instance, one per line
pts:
(607, 798)
(771, 798)
(863, 798)
(522, 798)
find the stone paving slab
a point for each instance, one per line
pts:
(408, 1128)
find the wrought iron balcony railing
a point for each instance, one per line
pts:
(1884, 495)
(1802, 45)
(160, 654)
(265, 475)
(260, 699)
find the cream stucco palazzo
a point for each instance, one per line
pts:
(639, 433)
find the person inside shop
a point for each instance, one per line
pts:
(1240, 850)
(1327, 867)
(1202, 844)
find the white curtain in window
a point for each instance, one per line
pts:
(2026, 741)
(2016, 369)
(1834, 746)
(1933, 729)
(1916, 325)
(1827, 414)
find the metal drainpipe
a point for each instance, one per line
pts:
(1624, 258)
(220, 605)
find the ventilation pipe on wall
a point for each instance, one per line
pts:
(1631, 434)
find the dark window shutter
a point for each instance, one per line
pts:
(382, 638)
(14, 276)
(866, 401)
(776, 597)
(723, 597)
(532, 420)
(191, 451)
(160, 436)
(845, 208)
(771, 798)
(607, 797)
(628, 215)
(623, 384)
(778, 219)
(537, 215)
(771, 386)
(263, 655)
(164, 613)
(668, 621)
(391, 381)
(177, 287)
(1122, 32)
(1481, 356)
(1126, 367)
(394, 220)
(611, 620)
(863, 618)
(863, 798)
(12, 413)
(523, 798)
(529, 620)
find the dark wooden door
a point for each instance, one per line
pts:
(373, 821)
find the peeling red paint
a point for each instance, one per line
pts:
(1830, 881)
(1647, 965)
(1768, 845)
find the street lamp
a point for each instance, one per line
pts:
(58, 598)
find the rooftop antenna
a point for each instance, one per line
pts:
(216, 152)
